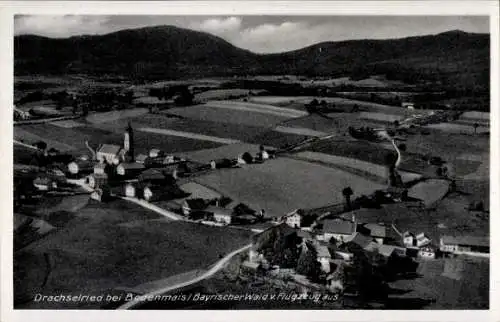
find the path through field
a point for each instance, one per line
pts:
(259, 108)
(188, 135)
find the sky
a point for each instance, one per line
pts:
(260, 34)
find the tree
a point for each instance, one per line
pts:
(396, 123)
(476, 125)
(308, 265)
(41, 145)
(402, 147)
(347, 193)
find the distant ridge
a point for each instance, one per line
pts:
(168, 52)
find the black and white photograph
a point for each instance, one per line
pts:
(251, 162)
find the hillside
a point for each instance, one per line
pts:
(164, 52)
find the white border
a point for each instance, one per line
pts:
(8, 9)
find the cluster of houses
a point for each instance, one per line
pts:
(334, 240)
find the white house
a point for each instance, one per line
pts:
(408, 105)
(154, 153)
(422, 240)
(44, 184)
(294, 218)
(408, 239)
(109, 153)
(427, 253)
(221, 215)
(130, 190)
(99, 168)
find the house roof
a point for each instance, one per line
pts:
(359, 239)
(219, 211)
(376, 230)
(131, 166)
(338, 227)
(155, 151)
(141, 157)
(42, 180)
(466, 240)
(151, 174)
(387, 250)
(109, 149)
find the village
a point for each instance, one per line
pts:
(330, 248)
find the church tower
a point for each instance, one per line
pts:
(128, 142)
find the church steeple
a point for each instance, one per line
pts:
(128, 141)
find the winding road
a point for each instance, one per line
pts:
(214, 269)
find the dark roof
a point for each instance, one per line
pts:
(131, 166)
(361, 240)
(466, 240)
(376, 230)
(338, 226)
(109, 149)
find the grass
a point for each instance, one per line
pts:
(143, 141)
(282, 185)
(206, 113)
(211, 128)
(458, 128)
(96, 252)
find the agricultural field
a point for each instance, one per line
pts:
(144, 141)
(95, 252)
(69, 124)
(210, 128)
(97, 118)
(221, 94)
(227, 115)
(380, 117)
(359, 166)
(230, 151)
(282, 185)
(458, 128)
(25, 135)
(257, 108)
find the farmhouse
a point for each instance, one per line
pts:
(357, 240)
(151, 192)
(109, 153)
(44, 183)
(390, 250)
(427, 252)
(376, 231)
(222, 163)
(338, 229)
(294, 218)
(97, 180)
(80, 167)
(99, 168)
(408, 105)
(466, 245)
(129, 169)
(154, 153)
(129, 190)
(141, 158)
(220, 215)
